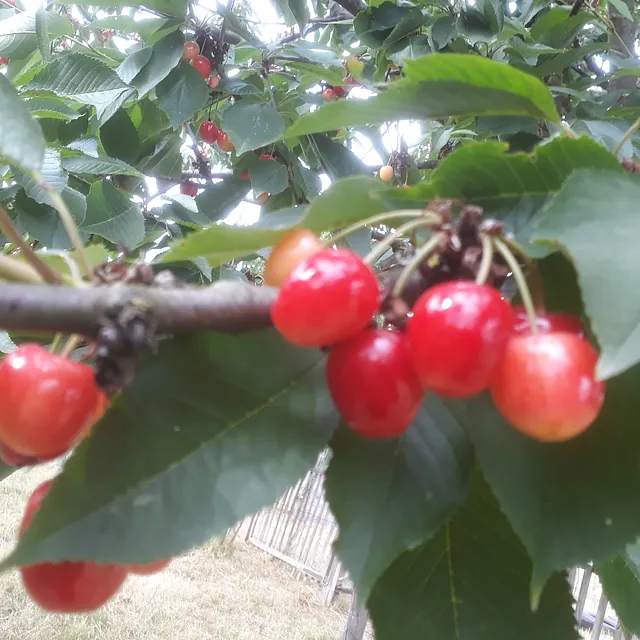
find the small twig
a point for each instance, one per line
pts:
(627, 136)
(17, 271)
(47, 273)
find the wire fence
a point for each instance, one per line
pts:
(300, 529)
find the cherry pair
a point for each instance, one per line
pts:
(74, 587)
(210, 133)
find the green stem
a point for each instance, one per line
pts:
(630, 131)
(379, 219)
(487, 260)
(384, 245)
(521, 281)
(535, 279)
(70, 227)
(421, 255)
(17, 271)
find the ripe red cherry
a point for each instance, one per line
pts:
(225, 143)
(329, 94)
(68, 587)
(267, 156)
(4, 61)
(288, 253)
(546, 386)
(458, 334)
(548, 323)
(47, 401)
(373, 383)
(15, 459)
(209, 132)
(189, 189)
(214, 81)
(191, 50)
(202, 65)
(148, 569)
(329, 297)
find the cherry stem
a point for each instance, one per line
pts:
(72, 343)
(70, 226)
(17, 271)
(535, 279)
(49, 275)
(521, 281)
(421, 255)
(384, 245)
(487, 260)
(627, 136)
(379, 219)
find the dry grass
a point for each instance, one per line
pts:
(215, 592)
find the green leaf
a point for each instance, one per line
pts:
(5, 470)
(511, 187)
(133, 64)
(83, 78)
(336, 159)
(390, 495)
(100, 166)
(119, 137)
(410, 23)
(438, 86)
(557, 28)
(588, 200)
(167, 159)
(297, 9)
(345, 202)
(182, 93)
(570, 502)
(42, 36)
(622, 9)
(317, 72)
(113, 216)
(51, 108)
(52, 174)
(171, 7)
(469, 582)
(18, 37)
(165, 56)
(220, 199)
(251, 126)
(212, 427)
(620, 578)
(268, 176)
(21, 140)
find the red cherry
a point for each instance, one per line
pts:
(329, 94)
(546, 386)
(189, 189)
(15, 459)
(267, 156)
(350, 80)
(330, 296)
(245, 175)
(191, 50)
(209, 132)
(214, 81)
(202, 65)
(4, 61)
(548, 323)
(262, 198)
(373, 383)
(68, 587)
(148, 569)
(340, 91)
(225, 143)
(47, 401)
(458, 334)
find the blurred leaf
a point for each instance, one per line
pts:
(119, 137)
(100, 166)
(52, 108)
(269, 176)
(219, 200)
(18, 33)
(251, 126)
(182, 93)
(212, 425)
(52, 174)
(336, 159)
(171, 7)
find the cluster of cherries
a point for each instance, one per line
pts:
(355, 67)
(200, 63)
(49, 403)
(460, 339)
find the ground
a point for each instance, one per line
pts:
(216, 592)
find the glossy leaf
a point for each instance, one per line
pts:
(252, 125)
(438, 86)
(18, 37)
(469, 582)
(182, 93)
(269, 176)
(52, 108)
(52, 174)
(100, 166)
(390, 495)
(224, 434)
(587, 200)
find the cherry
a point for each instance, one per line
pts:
(458, 334)
(262, 198)
(386, 173)
(328, 297)
(188, 189)
(225, 143)
(373, 383)
(245, 175)
(191, 50)
(546, 387)
(350, 80)
(329, 94)
(288, 253)
(15, 459)
(214, 81)
(148, 569)
(202, 65)
(341, 92)
(267, 156)
(68, 587)
(354, 65)
(4, 61)
(209, 132)
(47, 401)
(548, 323)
